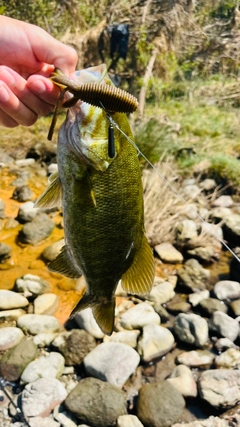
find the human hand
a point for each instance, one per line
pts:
(28, 56)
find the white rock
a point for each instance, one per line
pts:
(128, 421)
(227, 289)
(32, 285)
(36, 323)
(25, 162)
(196, 297)
(52, 251)
(223, 202)
(156, 341)
(182, 379)
(229, 359)
(52, 168)
(39, 422)
(162, 293)
(191, 328)
(10, 299)
(9, 337)
(13, 314)
(47, 366)
(220, 387)
(27, 212)
(63, 417)
(46, 304)
(44, 339)
(186, 230)
(139, 316)
(168, 253)
(212, 422)
(86, 321)
(224, 325)
(112, 362)
(196, 358)
(125, 337)
(41, 396)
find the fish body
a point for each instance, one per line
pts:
(102, 201)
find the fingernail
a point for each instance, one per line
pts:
(37, 86)
(4, 95)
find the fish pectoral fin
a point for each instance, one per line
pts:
(52, 196)
(63, 265)
(103, 312)
(138, 279)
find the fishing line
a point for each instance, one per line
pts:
(174, 190)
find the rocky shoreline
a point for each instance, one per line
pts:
(173, 359)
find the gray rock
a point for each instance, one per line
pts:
(231, 228)
(212, 422)
(37, 230)
(156, 341)
(47, 366)
(15, 360)
(223, 202)
(30, 285)
(46, 304)
(22, 193)
(191, 329)
(9, 337)
(186, 230)
(161, 293)
(11, 223)
(162, 312)
(223, 344)
(159, 405)
(27, 212)
(96, 403)
(227, 289)
(220, 387)
(229, 359)
(139, 316)
(196, 358)
(224, 325)
(204, 253)
(168, 253)
(210, 305)
(196, 297)
(112, 362)
(51, 252)
(182, 379)
(193, 275)
(124, 337)
(44, 339)
(128, 421)
(74, 345)
(86, 321)
(177, 306)
(38, 422)
(5, 251)
(36, 323)
(10, 299)
(41, 396)
(9, 315)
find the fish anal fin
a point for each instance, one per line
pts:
(52, 195)
(63, 265)
(138, 279)
(103, 311)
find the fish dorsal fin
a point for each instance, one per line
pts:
(63, 265)
(138, 279)
(103, 312)
(52, 196)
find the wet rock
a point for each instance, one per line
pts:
(74, 345)
(27, 212)
(220, 387)
(30, 285)
(44, 340)
(128, 421)
(9, 337)
(182, 379)
(178, 306)
(47, 366)
(210, 305)
(9, 315)
(227, 289)
(37, 230)
(168, 253)
(223, 202)
(36, 323)
(124, 337)
(229, 359)
(46, 304)
(112, 362)
(15, 360)
(159, 405)
(156, 341)
(235, 306)
(22, 193)
(139, 316)
(196, 358)
(41, 396)
(161, 293)
(186, 230)
(86, 321)
(107, 402)
(10, 299)
(51, 252)
(224, 325)
(193, 275)
(196, 297)
(191, 329)
(5, 251)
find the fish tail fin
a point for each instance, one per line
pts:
(103, 311)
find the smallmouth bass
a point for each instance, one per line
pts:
(102, 202)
